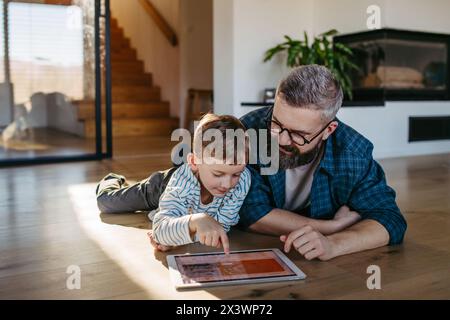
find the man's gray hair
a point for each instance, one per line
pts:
(313, 87)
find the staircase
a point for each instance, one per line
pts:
(137, 109)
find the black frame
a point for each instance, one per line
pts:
(99, 154)
(428, 128)
(373, 97)
(289, 132)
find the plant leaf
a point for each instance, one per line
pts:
(329, 33)
(322, 51)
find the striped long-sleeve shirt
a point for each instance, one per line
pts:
(182, 197)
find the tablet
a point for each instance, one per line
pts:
(239, 267)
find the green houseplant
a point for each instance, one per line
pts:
(321, 51)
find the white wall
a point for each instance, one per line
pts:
(223, 55)
(350, 15)
(387, 127)
(196, 48)
(52, 110)
(344, 15)
(244, 29)
(174, 69)
(420, 15)
(62, 114)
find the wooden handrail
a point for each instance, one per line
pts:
(160, 22)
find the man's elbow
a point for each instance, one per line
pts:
(397, 231)
(393, 230)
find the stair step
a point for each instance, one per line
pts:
(137, 109)
(123, 54)
(135, 127)
(119, 50)
(127, 71)
(135, 94)
(117, 32)
(123, 57)
(118, 44)
(135, 66)
(124, 79)
(119, 37)
(114, 23)
(86, 110)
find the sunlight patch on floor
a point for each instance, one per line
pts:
(127, 246)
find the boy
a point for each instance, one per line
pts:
(200, 200)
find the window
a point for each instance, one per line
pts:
(46, 50)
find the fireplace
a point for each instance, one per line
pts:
(398, 65)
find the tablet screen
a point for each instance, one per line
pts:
(235, 266)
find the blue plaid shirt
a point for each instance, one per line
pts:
(347, 175)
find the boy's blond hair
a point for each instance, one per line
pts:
(232, 138)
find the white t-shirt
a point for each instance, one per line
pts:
(298, 185)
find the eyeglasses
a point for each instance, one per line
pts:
(276, 128)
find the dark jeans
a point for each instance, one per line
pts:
(115, 195)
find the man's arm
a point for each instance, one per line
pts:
(365, 235)
(382, 222)
(280, 222)
(374, 200)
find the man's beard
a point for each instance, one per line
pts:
(297, 159)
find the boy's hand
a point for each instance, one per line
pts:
(156, 245)
(209, 231)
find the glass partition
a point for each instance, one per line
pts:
(51, 75)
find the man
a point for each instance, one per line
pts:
(326, 169)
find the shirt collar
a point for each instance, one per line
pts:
(329, 158)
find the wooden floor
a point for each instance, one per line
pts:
(49, 221)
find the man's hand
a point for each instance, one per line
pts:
(209, 231)
(157, 245)
(309, 243)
